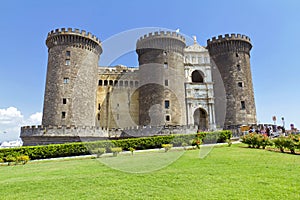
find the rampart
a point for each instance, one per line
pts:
(43, 135)
(166, 41)
(75, 37)
(228, 37)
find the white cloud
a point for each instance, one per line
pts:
(35, 119)
(11, 120)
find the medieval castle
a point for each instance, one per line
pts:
(176, 88)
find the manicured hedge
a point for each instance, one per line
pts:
(216, 137)
(291, 142)
(84, 148)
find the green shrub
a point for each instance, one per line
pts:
(84, 148)
(223, 136)
(1, 160)
(215, 137)
(229, 142)
(291, 143)
(131, 149)
(197, 141)
(255, 140)
(251, 139)
(116, 150)
(10, 159)
(98, 151)
(279, 143)
(22, 159)
(264, 141)
(184, 144)
(167, 147)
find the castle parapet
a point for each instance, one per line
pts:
(79, 131)
(228, 37)
(166, 41)
(162, 34)
(75, 37)
(229, 43)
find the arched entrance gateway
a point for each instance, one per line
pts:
(200, 119)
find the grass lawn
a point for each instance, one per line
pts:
(233, 172)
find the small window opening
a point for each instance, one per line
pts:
(100, 82)
(63, 115)
(166, 82)
(68, 53)
(167, 104)
(66, 80)
(68, 62)
(98, 116)
(166, 65)
(243, 105)
(239, 67)
(240, 84)
(64, 101)
(167, 118)
(99, 106)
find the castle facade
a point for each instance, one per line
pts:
(176, 88)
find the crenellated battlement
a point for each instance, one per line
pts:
(144, 131)
(43, 135)
(117, 70)
(79, 131)
(228, 37)
(229, 43)
(41, 127)
(166, 41)
(161, 34)
(74, 37)
(75, 31)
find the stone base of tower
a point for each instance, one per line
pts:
(45, 140)
(41, 135)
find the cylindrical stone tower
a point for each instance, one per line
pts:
(231, 55)
(71, 83)
(161, 78)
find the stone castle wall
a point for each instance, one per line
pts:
(85, 102)
(71, 83)
(231, 55)
(117, 97)
(161, 73)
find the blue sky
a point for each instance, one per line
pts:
(273, 26)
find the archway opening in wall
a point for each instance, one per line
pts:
(200, 119)
(197, 77)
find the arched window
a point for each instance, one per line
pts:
(197, 77)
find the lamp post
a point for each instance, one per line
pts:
(282, 118)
